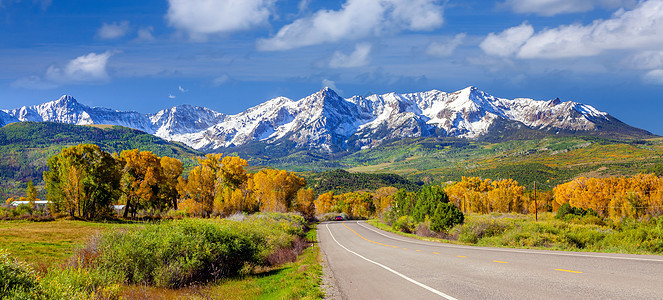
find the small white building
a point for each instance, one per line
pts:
(39, 204)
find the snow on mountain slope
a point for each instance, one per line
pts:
(325, 121)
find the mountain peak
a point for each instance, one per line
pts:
(328, 92)
(67, 99)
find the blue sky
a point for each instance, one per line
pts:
(230, 55)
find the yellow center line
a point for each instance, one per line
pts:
(435, 253)
(569, 271)
(463, 256)
(374, 242)
(404, 248)
(418, 250)
(500, 262)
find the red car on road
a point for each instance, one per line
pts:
(338, 218)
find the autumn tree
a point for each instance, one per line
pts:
(218, 184)
(275, 190)
(304, 203)
(171, 170)
(31, 193)
(82, 180)
(324, 203)
(141, 177)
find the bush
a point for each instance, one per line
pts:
(445, 217)
(405, 224)
(178, 253)
(566, 212)
(17, 279)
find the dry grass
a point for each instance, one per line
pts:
(47, 243)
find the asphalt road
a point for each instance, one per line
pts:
(368, 263)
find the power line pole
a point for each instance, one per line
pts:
(536, 207)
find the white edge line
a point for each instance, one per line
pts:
(392, 270)
(443, 245)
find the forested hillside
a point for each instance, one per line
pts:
(25, 147)
(341, 181)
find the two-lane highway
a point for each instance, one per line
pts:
(368, 263)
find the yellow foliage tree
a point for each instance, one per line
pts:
(275, 189)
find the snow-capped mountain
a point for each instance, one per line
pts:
(325, 121)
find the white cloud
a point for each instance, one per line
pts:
(356, 19)
(446, 48)
(182, 89)
(89, 68)
(33, 83)
(332, 85)
(646, 60)
(113, 30)
(508, 41)
(359, 57)
(221, 80)
(200, 18)
(654, 76)
(86, 68)
(554, 7)
(640, 29)
(145, 34)
(171, 96)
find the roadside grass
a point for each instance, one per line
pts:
(48, 246)
(576, 234)
(48, 243)
(296, 280)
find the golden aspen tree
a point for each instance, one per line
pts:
(304, 203)
(324, 203)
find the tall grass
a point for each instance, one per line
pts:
(169, 254)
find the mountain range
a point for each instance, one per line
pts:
(328, 123)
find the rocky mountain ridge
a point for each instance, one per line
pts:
(326, 122)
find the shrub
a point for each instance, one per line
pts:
(175, 254)
(178, 253)
(17, 279)
(79, 283)
(445, 217)
(405, 224)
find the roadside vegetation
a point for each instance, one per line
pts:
(173, 254)
(135, 223)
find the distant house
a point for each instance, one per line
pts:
(118, 208)
(39, 204)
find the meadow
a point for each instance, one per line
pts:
(246, 257)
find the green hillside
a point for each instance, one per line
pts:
(548, 161)
(341, 181)
(25, 147)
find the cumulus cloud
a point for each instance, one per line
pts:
(646, 60)
(200, 18)
(554, 7)
(359, 57)
(654, 76)
(171, 96)
(507, 42)
(182, 89)
(221, 80)
(356, 19)
(113, 30)
(86, 68)
(332, 85)
(89, 68)
(639, 29)
(145, 34)
(446, 48)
